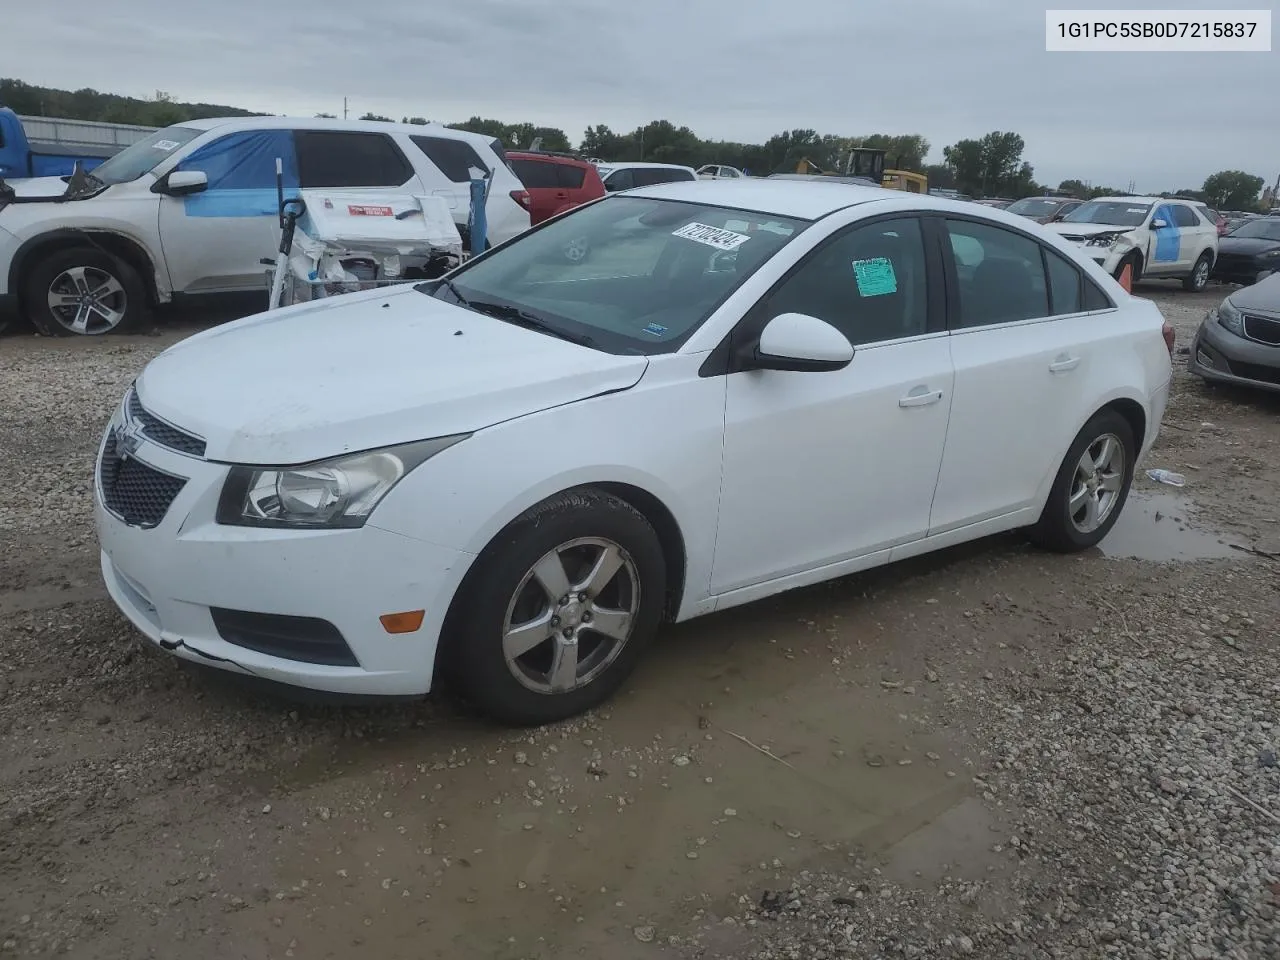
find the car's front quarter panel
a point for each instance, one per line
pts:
(663, 436)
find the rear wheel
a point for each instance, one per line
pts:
(558, 609)
(1198, 278)
(1091, 487)
(84, 292)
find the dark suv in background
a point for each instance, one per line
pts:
(555, 181)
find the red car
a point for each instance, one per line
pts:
(555, 181)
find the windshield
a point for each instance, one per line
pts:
(1034, 208)
(626, 274)
(1113, 212)
(139, 158)
(1264, 228)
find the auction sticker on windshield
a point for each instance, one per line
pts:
(711, 236)
(166, 145)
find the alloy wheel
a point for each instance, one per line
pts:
(571, 616)
(87, 300)
(1097, 483)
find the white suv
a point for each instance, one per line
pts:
(192, 210)
(1155, 237)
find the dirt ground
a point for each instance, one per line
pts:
(951, 756)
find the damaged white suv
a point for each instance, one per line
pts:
(1157, 238)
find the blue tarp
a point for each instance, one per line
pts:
(241, 168)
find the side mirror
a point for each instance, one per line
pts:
(182, 183)
(797, 341)
(1159, 224)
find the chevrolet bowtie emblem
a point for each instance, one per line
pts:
(128, 438)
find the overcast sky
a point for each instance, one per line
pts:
(729, 70)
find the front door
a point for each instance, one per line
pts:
(1164, 253)
(214, 241)
(823, 467)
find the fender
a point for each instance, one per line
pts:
(60, 237)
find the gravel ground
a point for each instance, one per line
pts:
(991, 753)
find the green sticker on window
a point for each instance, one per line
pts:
(875, 277)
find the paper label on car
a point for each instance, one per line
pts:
(710, 236)
(166, 145)
(656, 329)
(364, 210)
(875, 277)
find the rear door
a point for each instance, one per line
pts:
(454, 160)
(1022, 342)
(572, 181)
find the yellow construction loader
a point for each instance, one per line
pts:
(869, 162)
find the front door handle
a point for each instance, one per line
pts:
(920, 397)
(1063, 363)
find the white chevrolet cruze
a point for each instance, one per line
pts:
(513, 476)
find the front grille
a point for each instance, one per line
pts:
(1262, 329)
(1255, 371)
(163, 433)
(136, 493)
(305, 639)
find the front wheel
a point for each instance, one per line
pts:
(1091, 487)
(1198, 278)
(558, 609)
(84, 292)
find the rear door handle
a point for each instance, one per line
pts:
(920, 397)
(1063, 363)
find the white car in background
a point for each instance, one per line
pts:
(192, 210)
(626, 176)
(718, 171)
(513, 475)
(1155, 237)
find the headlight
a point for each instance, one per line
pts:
(1228, 318)
(337, 493)
(1270, 254)
(1104, 239)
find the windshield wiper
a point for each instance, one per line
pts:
(452, 288)
(522, 318)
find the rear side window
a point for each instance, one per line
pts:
(648, 176)
(455, 158)
(1064, 284)
(569, 176)
(535, 174)
(1094, 298)
(1185, 216)
(1000, 275)
(341, 158)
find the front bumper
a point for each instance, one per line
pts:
(173, 580)
(1222, 357)
(1102, 256)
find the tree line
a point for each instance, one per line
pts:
(988, 166)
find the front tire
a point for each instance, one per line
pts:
(1091, 487)
(83, 291)
(1198, 278)
(558, 609)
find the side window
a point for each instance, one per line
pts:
(1094, 298)
(999, 273)
(340, 158)
(1184, 216)
(570, 177)
(535, 174)
(868, 282)
(455, 158)
(621, 180)
(1064, 284)
(245, 161)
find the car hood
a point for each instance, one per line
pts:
(50, 187)
(1261, 297)
(365, 370)
(1248, 246)
(1087, 229)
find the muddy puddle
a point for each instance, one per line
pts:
(748, 746)
(1163, 528)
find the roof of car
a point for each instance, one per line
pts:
(546, 155)
(786, 198)
(331, 123)
(636, 163)
(1143, 200)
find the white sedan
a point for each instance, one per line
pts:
(515, 475)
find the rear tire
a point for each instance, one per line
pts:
(99, 293)
(1085, 503)
(1198, 278)
(526, 657)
